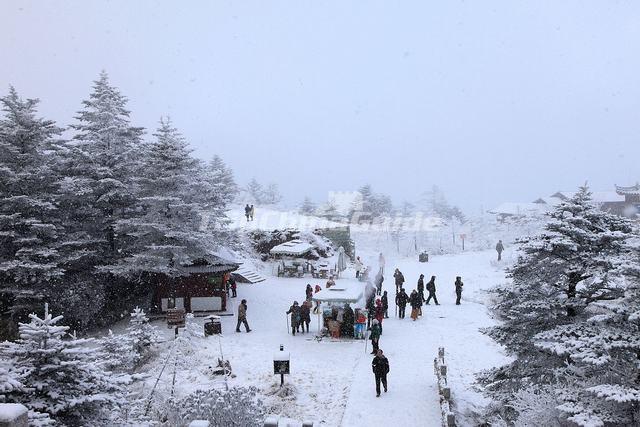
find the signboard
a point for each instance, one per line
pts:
(280, 367)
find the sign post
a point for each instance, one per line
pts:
(281, 364)
(462, 237)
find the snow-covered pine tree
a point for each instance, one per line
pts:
(169, 231)
(29, 257)
(141, 336)
(118, 351)
(554, 314)
(61, 376)
(104, 163)
(271, 194)
(307, 207)
(99, 167)
(255, 190)
(221, 177)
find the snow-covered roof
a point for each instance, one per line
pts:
(341, 293)
(596, 196)
(517, 208)
(292, 247)
(634, 190)
(212, 264)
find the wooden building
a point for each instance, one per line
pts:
(201, 288)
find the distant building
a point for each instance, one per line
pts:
(624, 201)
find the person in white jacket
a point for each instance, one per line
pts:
(381, 262)
(359, 266)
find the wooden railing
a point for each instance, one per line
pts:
(440, 368)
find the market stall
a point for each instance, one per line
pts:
(341, 307)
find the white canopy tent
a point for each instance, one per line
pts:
(339, 294)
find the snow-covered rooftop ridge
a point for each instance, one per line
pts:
(341, 293)
(518, 208)
(293, 247)
(596, 196)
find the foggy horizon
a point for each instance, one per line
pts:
(504, 103)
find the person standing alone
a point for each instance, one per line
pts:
(242, 316)
(431, 288)
(499, 249)
(380, 366)
(459, 285)
(399, 279)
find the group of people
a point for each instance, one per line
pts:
(249, 212)
(300, 316)
(416, 299)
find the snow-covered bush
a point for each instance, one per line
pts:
(141, 335)
(238, 406)
(61, 376)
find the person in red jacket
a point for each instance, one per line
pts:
(379, 313)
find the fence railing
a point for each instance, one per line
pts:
(440, 368)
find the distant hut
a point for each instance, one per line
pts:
(201, 288)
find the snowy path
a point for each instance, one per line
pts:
(411, 346)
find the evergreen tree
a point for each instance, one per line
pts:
(167, 233)
(255, 190)
(223, 183)
(29, 229)
(61, 377)
(142, 335)
(103, 163)
(567, 318)
(271, 195)
(307, 207)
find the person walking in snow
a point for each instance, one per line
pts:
(416, 303)
(381, 261)
(380, 366)
(399, 279)
(359, 266)
(459, 285)
(375, 335)
(379, 280)
(247, 211)
(305, 315)
(242, 316)
(499, 249)
(401, 301)
(309, 292)
(420, 287)
(431, 288)
(294, 310)
(385, 304)
(252, 212)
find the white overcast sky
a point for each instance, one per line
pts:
(490, 100)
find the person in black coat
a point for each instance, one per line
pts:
(348, 319)
(401, 301)
(380, 366)
(459, 285)
(399, 279)
(431, 288)
(421, 287)
(294, 310)
(385, 304)
(309, 292)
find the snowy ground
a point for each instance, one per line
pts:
(331, 381)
